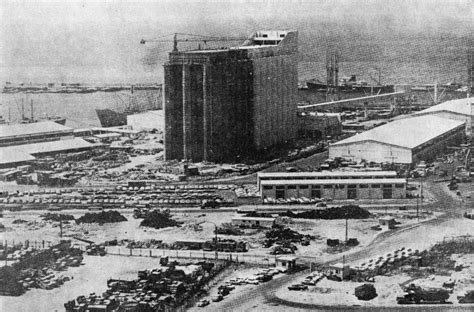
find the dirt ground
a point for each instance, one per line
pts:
(131, 229)
(88, 278)
(388, 288)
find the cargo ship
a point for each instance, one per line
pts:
(350, 84)
(137, 101)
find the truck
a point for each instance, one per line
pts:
(416, 295)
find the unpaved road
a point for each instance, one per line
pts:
(262, 298)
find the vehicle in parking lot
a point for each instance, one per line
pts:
(298, 287)
(217, 298)
(203, 303)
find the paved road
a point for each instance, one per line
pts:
(263, 297)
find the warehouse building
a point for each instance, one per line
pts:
(17, 155)
(403, 141)
(319, 125)
(324, 175)
(225, 103)
(461, 109)
(334, 188)
(42, 131)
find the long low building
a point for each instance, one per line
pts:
(460, 109)
(21, 154)
(324, 175)
(385, 188)
(251, 222)
(16, 134)
(403, 141)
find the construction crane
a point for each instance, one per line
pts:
(192, 38)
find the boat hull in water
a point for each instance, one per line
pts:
(111, 118)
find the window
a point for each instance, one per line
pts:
(315, 193)
(340, 186)
(280, 187)
(268, 187)
(316, 187)
(399, 185)
(303, 187)
(387, 186)
(352, 186)
(375, 185)
(328, 186)
(292, 187)
(363, 186)
(265, 36)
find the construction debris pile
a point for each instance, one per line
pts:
(161, 289)
(39, 269)
(344, 212)
(56, 217)
(365, 292)
(158, 219)
(102, 217)
(285, 238)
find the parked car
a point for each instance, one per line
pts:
(298, 287)
(217, 298)
(203, 303)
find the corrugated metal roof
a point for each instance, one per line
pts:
(328, 174)
(332, 181)
(11, 154)
(31, 128)
(406, 133)
(11, 157)
(460, 106)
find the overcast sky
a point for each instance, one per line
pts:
(105, 36)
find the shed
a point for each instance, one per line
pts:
(340, 270)
(253, 222)
(389, 222)
(287, 263)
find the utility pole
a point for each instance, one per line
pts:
(346, 227)
(32, 115)
(22, 110)
(215, 231)
(421, 193)
(417, 210)
(60, 226)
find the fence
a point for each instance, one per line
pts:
(250, 258)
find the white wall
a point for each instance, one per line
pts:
(147, 121)
(371, 151)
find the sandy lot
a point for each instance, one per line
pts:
(388, 288)
(131, 229)
(88, 278)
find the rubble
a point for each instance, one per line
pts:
(102, 217)
(365, 292)
(55, 217)
(344, 212)
(158, 220)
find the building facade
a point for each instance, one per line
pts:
(222, 104)
(403, 141)
(334, 188)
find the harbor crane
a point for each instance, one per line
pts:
(190, 38)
